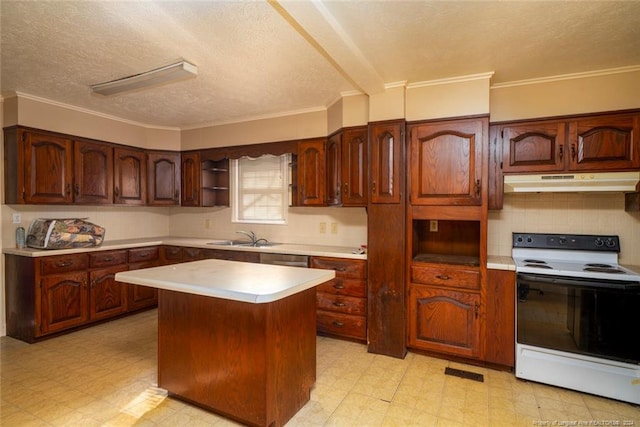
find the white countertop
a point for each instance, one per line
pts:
(500, 262)
(194, 242)
(232, 280)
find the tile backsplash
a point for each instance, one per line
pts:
(571, 213)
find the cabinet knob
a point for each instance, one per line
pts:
(573, 152)
(68, 189)
(346, 188)
(77, 189)
(373, 187)
(478, 187)
(561, 152)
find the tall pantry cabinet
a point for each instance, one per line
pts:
(446, 236)
(386, 226)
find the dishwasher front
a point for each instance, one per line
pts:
(285, 259)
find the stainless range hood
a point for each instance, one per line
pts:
(572, 182)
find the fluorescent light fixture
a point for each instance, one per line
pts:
(160, 76)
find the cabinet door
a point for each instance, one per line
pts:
(311, 173)
(334, 170)
(446, 162)
(139, 297)
(63, 301)
(93, 172)
(48, 169)
(354, 167)
(534, 147)
(500, 336)
(385, 155)
(130, 176)
(190, 169)
(605, 143)
(164, 178)
(444, 321)
(107, 297)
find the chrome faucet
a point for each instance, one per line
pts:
(251, 235)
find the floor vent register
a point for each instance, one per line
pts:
(464, 374)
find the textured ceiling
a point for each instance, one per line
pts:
(263, 58)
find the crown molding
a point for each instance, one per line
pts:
(449, 80)
(255, 118)
(572, 76)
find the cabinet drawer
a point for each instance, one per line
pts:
(143, 254)
(454, 277)
(342, 324)
(106, 259)
(344, 268)
(351, 287)
(341, 304)
(172, 253)
(63, 263)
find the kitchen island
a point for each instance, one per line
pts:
(236, 338)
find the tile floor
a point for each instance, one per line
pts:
(105, 376)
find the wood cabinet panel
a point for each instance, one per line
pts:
(354, 167)
(334, 170)
(351, 287)
(386, 161)
(190, 169)
(63, 263)
(441, 275)
(163, 186)
(605, 142)
(344, 268)
(444, 321)
(107, 297)
(63, 301)
(446, 162)
(341, 303)
(311, 173)
(343, 325)
(500, 321)
(534, 146)
(107, 258)
(93, 172)
(130, 176)
(145, 254)
(47, 176)
(139, 297)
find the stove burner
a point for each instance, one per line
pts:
(538, 266)
(599, 265)
(534, 261)
(611, 270)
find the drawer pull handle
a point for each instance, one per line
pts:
(339, 324)
(443, 277)
(143, 255)
(339, 304)
(63, 264)
(340, 268)
(108, 259)
(338, 286)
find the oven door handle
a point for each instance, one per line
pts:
(534, 279)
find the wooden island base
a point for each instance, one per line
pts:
(254, 363)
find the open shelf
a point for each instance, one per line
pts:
(446, 242)
(215, 182)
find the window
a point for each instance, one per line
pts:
(260, 189)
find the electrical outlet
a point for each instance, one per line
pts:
(17, 218)
(334, 228)
(323, 227)
(433, 225)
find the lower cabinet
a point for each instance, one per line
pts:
(342, 302)
(501, 318)
(445, 321)
(53, 294)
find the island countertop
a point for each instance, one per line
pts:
(232, 280)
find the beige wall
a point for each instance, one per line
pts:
(583, 93)
(576, 213)
(42, 114)
(283, 128)
(464, 96)
(3, 321)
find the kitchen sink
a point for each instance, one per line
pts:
(260, 244)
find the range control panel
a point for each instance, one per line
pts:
(582, 242)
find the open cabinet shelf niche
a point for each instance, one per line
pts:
(215, 182)
(446, 242)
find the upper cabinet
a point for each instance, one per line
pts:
(190, 182)
(38, 167)
(347, 168)
(163, 177)
(129, 176)
(48, 168)
(590, 143)
(386, 140)
(93, 172)
(214, 168)
(311, 163)
(446, 162)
